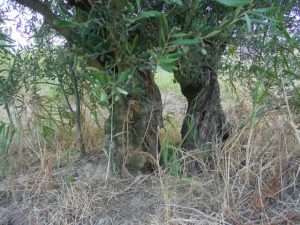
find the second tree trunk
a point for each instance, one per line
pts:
(204, 122)
(131, 130)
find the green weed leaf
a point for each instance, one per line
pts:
(235, 3)
(178, 2)
(121, 91)
(148, 14)
(185, 42)
(64, 24)
(248, 21)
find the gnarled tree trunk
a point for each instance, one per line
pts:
(131, 130)
(204, 122)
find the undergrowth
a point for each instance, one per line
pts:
(252, 178)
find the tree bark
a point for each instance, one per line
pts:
(204, 122)
(132, 128)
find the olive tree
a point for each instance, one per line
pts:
(123, 42)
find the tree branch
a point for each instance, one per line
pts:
(49, 17)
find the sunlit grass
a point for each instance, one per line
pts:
(165, 81)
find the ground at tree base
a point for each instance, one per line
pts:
(256, 184)
(88, 199)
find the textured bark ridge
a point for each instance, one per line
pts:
(205, 120)
(133, 126)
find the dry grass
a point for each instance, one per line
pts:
(254, 179)
(174, 110)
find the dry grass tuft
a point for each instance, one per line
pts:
(254, 178)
